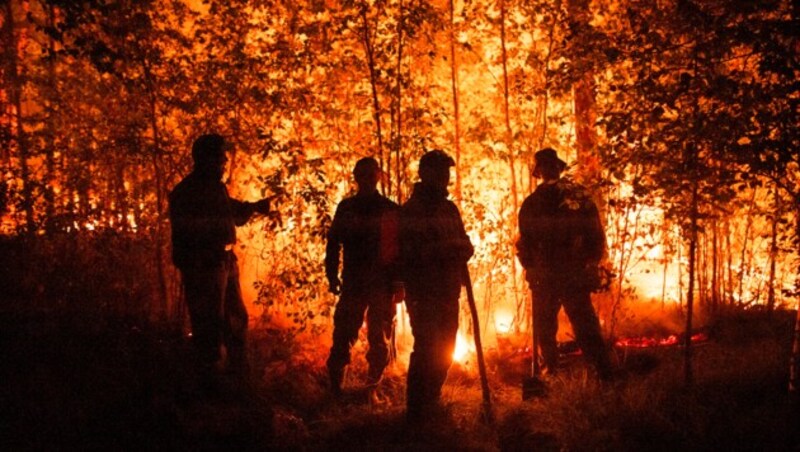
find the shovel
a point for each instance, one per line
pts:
(487, 397)
(533, 386)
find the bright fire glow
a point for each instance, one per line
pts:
(646, 342)
(462, 348)
(503, 320)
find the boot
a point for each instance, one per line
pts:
(336, 376)
(238, 364)
(374, 377)
(605, 372)
(550, 356)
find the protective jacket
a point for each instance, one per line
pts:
(561, 237)
(434, 247)
(365, 226)
(204, 219)
(561, 242)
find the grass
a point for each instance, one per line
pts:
(73, 384)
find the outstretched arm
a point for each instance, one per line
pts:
(332, 249)
(243, 210)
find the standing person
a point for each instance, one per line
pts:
(365, 226)
(204, 219)
(434, 250)
(561, 243)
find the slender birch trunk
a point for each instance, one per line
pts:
(397, 135)
(773, 254)
(15, 91)
(373, 80)
(454, 88)
(509, 144)
(163, 309)
(794, 364)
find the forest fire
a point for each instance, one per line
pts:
(676, 119)
(464, 348)
(503, 321)
(648, 342)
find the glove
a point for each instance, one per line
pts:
(334, 286)
(591, 275)
(459, 250)
(466, 250)
(262, 206)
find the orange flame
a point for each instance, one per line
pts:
(463, 348)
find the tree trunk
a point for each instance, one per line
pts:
(690, 158)
(664, 283)
(15, 91)
(509, 144)
(546, 97)
(373, 80)
(687, 361)
(744, 263)
(624, 260)
(729, 264)
(680, 271)
(715, 262)
(585, 134)
(585, 105)
(397, 140)
(773, 254)
(506, 114)
(794, 365)
(50, 163)
(702, 275)
(454, 87)
(121, 195)
(163, 309)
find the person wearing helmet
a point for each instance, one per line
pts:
(204, 219)
(364, 230)
(561, 242)
(434, 250)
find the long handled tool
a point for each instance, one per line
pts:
(487, 396)
(533, 386)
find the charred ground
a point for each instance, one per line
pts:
(84, 367)
(89, 383)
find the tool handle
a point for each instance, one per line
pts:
(535, 370)
(487, 399)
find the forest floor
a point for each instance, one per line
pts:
(73, 382)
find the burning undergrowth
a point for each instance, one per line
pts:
(735, 384)
(643, 408)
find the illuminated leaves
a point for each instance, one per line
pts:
(687, 93)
